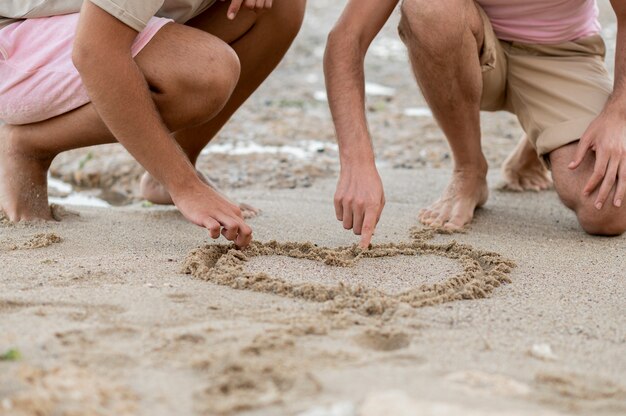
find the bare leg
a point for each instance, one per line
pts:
(447, 68)
(184, 92)
(523, 171)
(608, 221)
(260, 40)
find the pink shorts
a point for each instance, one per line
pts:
(38, 80)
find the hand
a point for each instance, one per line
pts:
(359, 201)
(205, 207)
(606, 136)
(235, 5)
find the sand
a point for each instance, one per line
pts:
(482, 272)
(133, 311)
(107, 319)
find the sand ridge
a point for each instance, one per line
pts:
(483, 271)
(39, 240)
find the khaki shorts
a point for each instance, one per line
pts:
(556, 91)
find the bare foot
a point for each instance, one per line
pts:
(152, 190)
(523, 171)
(455, 208)
(23, 179)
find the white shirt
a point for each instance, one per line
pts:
(134, 13)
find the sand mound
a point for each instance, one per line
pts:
(482, 272)
(40, 240)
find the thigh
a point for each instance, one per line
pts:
(38, 79)
(557, 90)
(213, 20)
(569, 183)
(180, 57)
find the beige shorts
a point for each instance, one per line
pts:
(556, 91)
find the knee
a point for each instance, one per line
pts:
(222, 80)
(422, 21)
(207, 88)
(610, 221)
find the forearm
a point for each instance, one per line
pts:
(344, 59)
(122, 98)
(129, 112)
(345, 83)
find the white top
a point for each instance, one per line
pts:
(134, 13)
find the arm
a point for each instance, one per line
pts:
(359, 199)
(121, 96)
(607, 134)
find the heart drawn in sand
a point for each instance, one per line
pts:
(483, 271)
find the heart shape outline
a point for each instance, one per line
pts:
(483, 272)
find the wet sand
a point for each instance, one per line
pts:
(131, 310)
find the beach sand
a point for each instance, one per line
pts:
(106, 320)
(132, 310)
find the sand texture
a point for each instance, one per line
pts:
(133, 311)
(482, 272)
(109, 319)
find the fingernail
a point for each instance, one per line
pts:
(585, 193)
(618, 203)
(571, 165)
(599, 205)
(231, 16)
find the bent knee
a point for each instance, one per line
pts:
(610, 221)
(208, 87)
(227, 72)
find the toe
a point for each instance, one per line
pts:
(529, 185)
(430, 217)
(424, 214)
(441, 219)
(457, 222)
(513, 185)
(248, 211)
(452, 226)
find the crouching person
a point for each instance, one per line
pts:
(159, 77)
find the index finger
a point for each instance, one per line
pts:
(245, 235)
(599, 171)
(233, 9)
(369, 225)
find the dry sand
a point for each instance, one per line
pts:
(125, 311)
(107, 322)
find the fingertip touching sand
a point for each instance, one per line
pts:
(482, 272)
